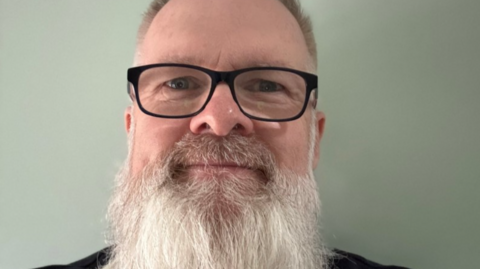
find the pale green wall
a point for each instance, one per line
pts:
(399, 174)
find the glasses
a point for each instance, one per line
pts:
(181, 91)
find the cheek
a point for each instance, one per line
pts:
(289, 145)
(153, 136)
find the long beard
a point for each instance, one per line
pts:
(165, 217)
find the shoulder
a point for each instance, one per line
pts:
(93, 261)
(340, 260)
(346, 260)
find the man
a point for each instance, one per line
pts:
(223, 139)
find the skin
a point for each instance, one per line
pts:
(225, 35)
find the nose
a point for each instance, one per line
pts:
(221, 116)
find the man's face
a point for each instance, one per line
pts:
(219, 190)
(225, 35)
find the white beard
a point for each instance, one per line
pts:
(163, 218)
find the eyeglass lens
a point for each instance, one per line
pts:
(178, 91)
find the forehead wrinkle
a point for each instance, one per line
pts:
(236, 64)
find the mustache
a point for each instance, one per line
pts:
(206, 149)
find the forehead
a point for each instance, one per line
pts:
(225, 34)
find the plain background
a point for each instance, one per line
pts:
(399, 173)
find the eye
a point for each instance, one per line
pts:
(179, 83)
(268, 86)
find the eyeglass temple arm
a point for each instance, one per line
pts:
(131, 93)
(314, 102)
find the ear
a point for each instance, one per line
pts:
(128, 118)
(320, 124)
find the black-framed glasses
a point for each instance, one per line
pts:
(261, 93)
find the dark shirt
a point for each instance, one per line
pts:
(343, 260)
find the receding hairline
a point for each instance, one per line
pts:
(293, 6)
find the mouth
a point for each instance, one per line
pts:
(208, 170)
(227, 167)
(218, 165)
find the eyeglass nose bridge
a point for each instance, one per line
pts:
(228, 78)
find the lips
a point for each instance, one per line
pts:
(207, 170)
(218, 165)
(233, 168)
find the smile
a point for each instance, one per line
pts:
(205, 170)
